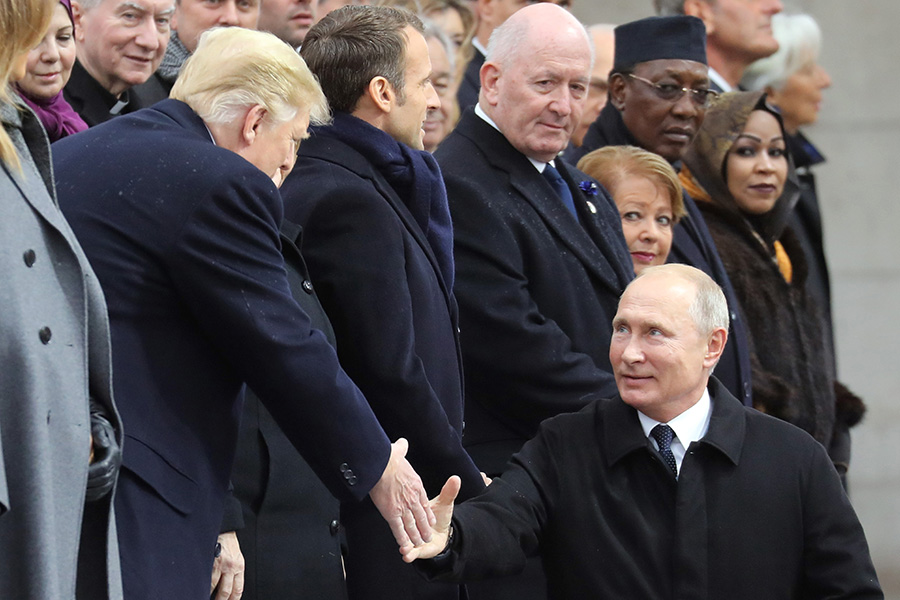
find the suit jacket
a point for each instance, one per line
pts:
(184, 238)
(54, 352)
(470, 86)
(537, 289)
(757, 512)
(395, 321)
(291, 534)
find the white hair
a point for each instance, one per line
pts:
(799, 42)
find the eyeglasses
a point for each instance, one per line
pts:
(673, 93)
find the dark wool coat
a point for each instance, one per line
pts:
(184, 237)
(758, 512)
(395, 322)
(793, 377)
(537, 289)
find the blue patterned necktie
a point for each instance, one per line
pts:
(560, 187)
(664, 435)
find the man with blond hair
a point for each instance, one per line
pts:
(181, 223)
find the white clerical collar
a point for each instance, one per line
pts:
(719, 81)
(689, 426)
(540, 166)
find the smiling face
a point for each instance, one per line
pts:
(50, 62)
(121, 42)
(537, 97)
(800, 98)
(439, 121)
(647, 220)
(406, 120)
(756, 166)
(660, 360)
(289, 20)
(661, 126)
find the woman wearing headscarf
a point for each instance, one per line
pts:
(794, 82)
(739, 170)
(47, 71)
(59, 431)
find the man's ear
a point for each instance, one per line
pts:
(252, 124)
(714, 347)
(616, 92)
(381, 93)
(701, 9)
(490, 79)
(78, 20)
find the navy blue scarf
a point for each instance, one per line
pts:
(413, 174)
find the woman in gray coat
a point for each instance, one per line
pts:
(59, 431)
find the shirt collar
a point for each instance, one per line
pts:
(540, 166)
(719, 81)
(690, 426)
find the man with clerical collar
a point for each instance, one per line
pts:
(659, 91)
(119, 45)
(738, 33)
(671, 489)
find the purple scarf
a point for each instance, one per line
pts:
(58, 117)
(56, 114)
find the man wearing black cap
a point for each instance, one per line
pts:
(659, 90)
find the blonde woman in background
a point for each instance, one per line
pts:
(647, 193)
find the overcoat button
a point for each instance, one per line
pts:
(335, 527)
(45, 334)
(29, 258)
(307, 286)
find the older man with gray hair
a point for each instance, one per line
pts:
(119, 44)
(179, 211)
(671, 488)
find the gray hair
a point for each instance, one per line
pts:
(505, 41)
(799, 42)
(709, 309)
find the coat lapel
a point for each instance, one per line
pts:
(535, 190)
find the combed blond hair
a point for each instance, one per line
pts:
(233, 69)
(612, 164)
(22, 25)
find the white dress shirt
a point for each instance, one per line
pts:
(689, 426)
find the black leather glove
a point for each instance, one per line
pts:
(104, 469)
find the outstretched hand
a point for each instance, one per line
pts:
(442, 506)
(401, 499)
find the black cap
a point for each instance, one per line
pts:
(660, 38)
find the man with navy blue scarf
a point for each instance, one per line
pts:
(378, 242)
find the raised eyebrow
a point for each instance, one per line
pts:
(750, 136)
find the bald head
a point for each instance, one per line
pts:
(536, 26)
(535, 78)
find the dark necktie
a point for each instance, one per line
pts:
(663, 435)
(559, 186)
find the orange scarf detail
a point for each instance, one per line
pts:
(691, 186)
(784, 262)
